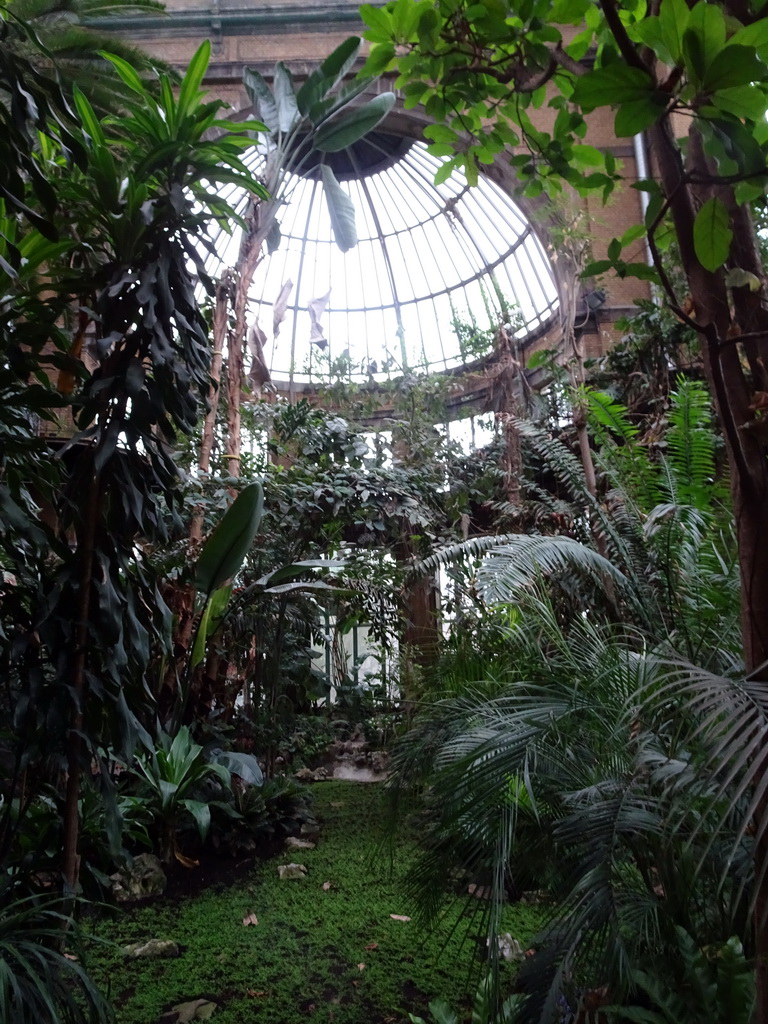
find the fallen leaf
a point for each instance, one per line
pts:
(70, 956)
(372, 945)
(361, 967)
(255, 993)
(326, 886)
(250, 919)
(399, 917)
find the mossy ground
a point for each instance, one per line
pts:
(302, 961)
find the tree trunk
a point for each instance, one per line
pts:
(79, 687)
(736, 370)
(247, 261)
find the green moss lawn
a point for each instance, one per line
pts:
(320, 953)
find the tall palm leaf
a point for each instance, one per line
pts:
(67, 36)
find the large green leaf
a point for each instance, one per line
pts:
(712, 234)
(674, 16)
(634, 117)
(325, 78)
(225, 549)
(285, 98)
(327, 107)
(212, 614)
(733, 66)
(352, 124)
(189, 93)
(615, 84)
(703, 40)
(262, 98)
(341, 210)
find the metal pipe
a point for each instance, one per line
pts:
(643, 173)
(290, 16)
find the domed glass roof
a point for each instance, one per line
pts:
(436, 269)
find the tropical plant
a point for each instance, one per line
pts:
(482, 1009)
(599, 765)
(66, 37)
(715, 984)
(140, 200)
(303, 125)
(172, 777)
(482, 69)
(38, 980)
(262, 816)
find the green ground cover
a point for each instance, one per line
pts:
(323, 954)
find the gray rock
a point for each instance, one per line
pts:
(291, 871)
(294, 843)
(151, 948)
(197, 1009)
(509, 948)
(308, 775)
(380, 760)
(144, 877)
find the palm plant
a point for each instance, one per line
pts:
(38, 981)
(68, 35)
(615, 767)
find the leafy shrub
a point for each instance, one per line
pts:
(258, 816)
(39, 983)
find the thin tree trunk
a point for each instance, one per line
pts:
(220, 320)
(79, 688)
(248, 260)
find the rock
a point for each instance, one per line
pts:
(291, 871)
(184, 1013)
(197, 1009)
(509, 948)
(361, 760)
(144, 877)
(308, 775)
(294, 843)
(310, 831)
(380, 761)
(151, 948)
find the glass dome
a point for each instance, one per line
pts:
(436, 269)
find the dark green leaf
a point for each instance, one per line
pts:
(285, 98)
(634, 117)
(261, 97)
(712, 235)
(325, 78)
(225, 549)
(733, 66)
(674, 16)
(612, 85)
(703, 39)
(341, 210)
(352, 124)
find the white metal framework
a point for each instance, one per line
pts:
(436, 269)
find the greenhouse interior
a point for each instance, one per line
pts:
(383, 489)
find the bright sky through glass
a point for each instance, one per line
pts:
(427, 255)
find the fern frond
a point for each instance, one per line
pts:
(691, 445)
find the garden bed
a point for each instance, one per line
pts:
(325, 947)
